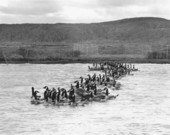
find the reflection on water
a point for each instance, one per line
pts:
(143, 105)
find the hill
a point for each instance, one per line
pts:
(145, 37)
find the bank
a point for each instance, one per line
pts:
(83, 60)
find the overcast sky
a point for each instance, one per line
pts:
(80, 11)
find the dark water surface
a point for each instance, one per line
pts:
(142, 108)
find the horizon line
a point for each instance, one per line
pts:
(147, 17)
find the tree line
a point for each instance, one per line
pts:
(26, 54)
(158, 55)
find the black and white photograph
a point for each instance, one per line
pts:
(84, 67)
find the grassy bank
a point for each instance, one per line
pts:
(85, 60)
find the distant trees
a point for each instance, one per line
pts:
(158, 55)
(23, 52)
(26, 53)
(45, 54)
(76, 53)
(71, 54)
(1, 55)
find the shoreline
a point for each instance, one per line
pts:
(90, 60)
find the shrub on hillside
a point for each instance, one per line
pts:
(16, 57)
(23, 52)
(1, 55)
(76, 53)
(157, 55)
(72, 54)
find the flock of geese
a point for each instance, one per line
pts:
(94, 88)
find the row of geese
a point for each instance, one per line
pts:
(94, 87)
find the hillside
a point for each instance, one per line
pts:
(127, 38)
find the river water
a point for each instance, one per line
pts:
(142, 107)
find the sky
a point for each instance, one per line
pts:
(80, 11)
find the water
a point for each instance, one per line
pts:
(142, 108)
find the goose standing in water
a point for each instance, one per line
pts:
(58, 94)
(77, 84)
(64, 93)
(72, 95)
(53, 97)
(81, 81)
(34, 94)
